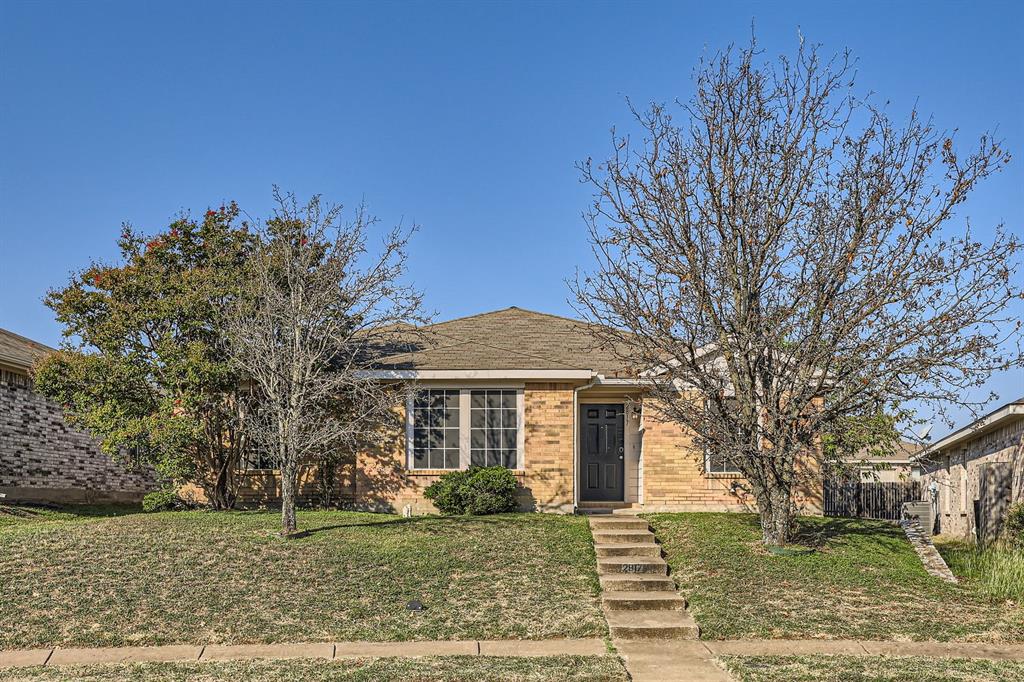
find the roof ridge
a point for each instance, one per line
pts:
(502, 310)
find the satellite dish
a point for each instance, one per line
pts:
(925, 431)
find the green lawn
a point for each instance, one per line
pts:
(440, 669)
(869, 669)
(863, 580)
(194, 577)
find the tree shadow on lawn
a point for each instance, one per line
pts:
(432, 523)
(832, 532)
(43, 511)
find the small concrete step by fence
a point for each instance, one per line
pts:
(640, 600)
(930, 557)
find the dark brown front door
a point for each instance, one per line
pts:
(601, 453)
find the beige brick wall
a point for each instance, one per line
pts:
(549, 445)
(382, 481)
(672, 475)
(674, 478)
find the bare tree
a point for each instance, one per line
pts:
(317, 302)
(783, 261)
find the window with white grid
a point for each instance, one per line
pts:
(435, 432)
(494, 429)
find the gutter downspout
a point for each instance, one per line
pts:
(575, 439)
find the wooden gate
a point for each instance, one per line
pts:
(869, 500)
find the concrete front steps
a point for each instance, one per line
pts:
(640, 600)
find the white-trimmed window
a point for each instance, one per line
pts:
(716, 462)
(435, 435)
(493, 428)
(453, 428)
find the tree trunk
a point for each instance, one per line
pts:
(222, 494)
(288, 483)
(774, 503)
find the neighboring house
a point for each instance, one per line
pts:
(531, 392)
(896, 467)
(43, 459)
(976, 473)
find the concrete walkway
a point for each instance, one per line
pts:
(328, 651)
(646, 660)
(679, 661)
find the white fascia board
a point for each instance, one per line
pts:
(971, 430)
(621, 381)
(469, 374)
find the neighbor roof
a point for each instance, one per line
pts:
(1002, 415)
(19, 352)
(509, 339)
(904, 451)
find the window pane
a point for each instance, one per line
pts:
(508, 439)
(477, 439)
(494, 419)
(493, 439)
(451, 459)
(477, 419)
(508, 419)
(419, 459)
(508, 459)
(451, 419)
(436, 458)
(493, 399)
(478, 458)
(451, 439)
(451, 400)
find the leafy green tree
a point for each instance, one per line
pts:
(144, 364)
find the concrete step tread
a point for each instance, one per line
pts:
(624, 595)
(623, 536)
(638, 582)
(650, 619)
(612, 549)
(646, 624)
(618, 560)
(614, 521)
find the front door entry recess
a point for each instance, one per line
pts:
(602, 448)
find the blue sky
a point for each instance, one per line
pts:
(466, 118)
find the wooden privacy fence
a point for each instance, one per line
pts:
(869, 500)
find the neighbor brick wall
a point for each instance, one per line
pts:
(43, 459)
(990, 469)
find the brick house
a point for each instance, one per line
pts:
(42, 458)
(529, 391)
(976, 473)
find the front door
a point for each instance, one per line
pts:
(602, 430)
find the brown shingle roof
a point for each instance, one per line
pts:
(512, 338)
(19, 352)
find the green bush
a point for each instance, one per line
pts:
(165, 499)
(477, 491)
(1014, 527)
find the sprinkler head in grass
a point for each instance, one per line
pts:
(415, 605)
